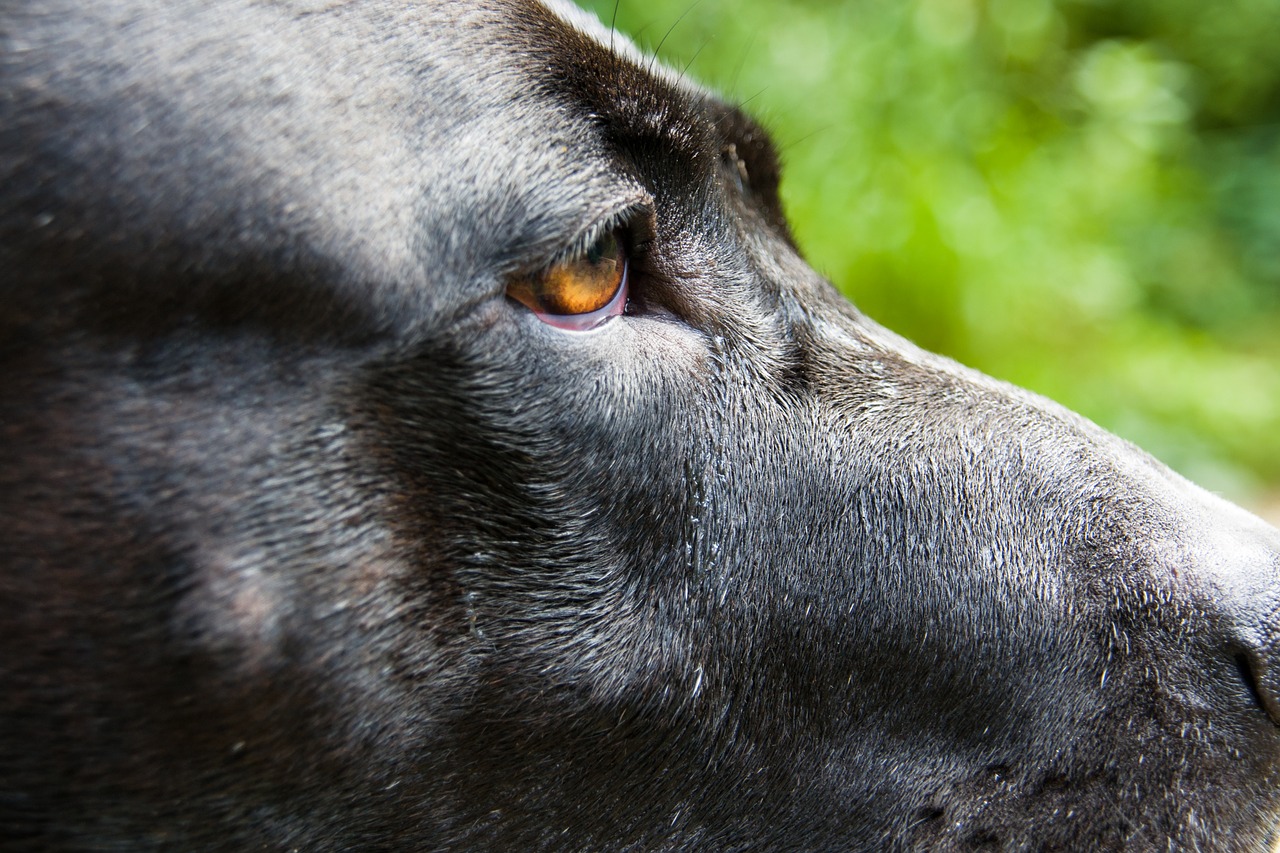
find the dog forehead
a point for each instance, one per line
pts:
(393, 141)
(620, 45)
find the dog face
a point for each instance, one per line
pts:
(420, 432)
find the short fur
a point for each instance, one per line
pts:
(312, 539)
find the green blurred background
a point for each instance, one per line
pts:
(1079, 196)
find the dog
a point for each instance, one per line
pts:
(421, 432)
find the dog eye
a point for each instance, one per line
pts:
(579, 293)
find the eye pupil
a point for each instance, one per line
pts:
(578, 293)
(605, 247)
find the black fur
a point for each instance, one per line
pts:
(310, 539)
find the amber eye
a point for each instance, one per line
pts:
(580, 293)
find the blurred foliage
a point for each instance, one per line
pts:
(1079, 196)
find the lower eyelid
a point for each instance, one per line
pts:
(592, 319)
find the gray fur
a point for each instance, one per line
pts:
(311, 539)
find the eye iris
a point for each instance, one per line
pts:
(577, 286)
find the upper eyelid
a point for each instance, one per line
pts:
(624, 215)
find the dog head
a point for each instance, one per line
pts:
(421, 432)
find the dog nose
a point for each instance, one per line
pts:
(1242, 557)
(1258, 657)
(1259, 668)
